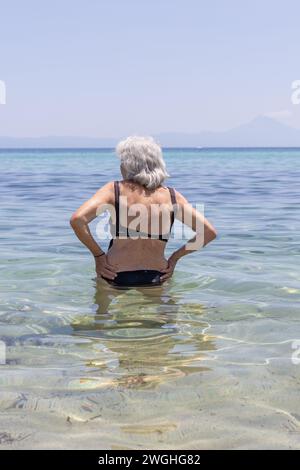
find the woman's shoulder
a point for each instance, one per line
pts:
(180, 199)
(108, 186)
(106, 191)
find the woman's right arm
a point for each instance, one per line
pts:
(204, 233)
(83, 216)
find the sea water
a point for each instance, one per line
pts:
(211, 360)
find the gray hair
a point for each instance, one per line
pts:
(142, 161)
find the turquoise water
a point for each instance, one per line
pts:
(206, 362)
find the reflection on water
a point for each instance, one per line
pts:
(151, 335)
(204, 361)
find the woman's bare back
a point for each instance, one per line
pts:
(137, 252)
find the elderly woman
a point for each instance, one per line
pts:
(136, 252)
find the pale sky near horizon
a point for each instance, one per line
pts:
(112, 68)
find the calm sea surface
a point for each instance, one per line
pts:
(210, 361)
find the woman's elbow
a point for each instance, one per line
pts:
(214, 234)
(210, 235)
(76, 220)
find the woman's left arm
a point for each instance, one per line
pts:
(204, 233)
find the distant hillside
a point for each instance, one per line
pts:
(56, 142)
(261, 132)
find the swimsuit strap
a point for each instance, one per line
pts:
(174, 202)
(117, 207)
(173, 195)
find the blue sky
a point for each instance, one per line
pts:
(112, 68)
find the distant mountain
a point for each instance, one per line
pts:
(56, 142)
(261, 132)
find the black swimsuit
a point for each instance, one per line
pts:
(141, 277)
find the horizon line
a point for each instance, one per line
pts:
(163, 147)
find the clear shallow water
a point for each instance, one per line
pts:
(206, 362)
